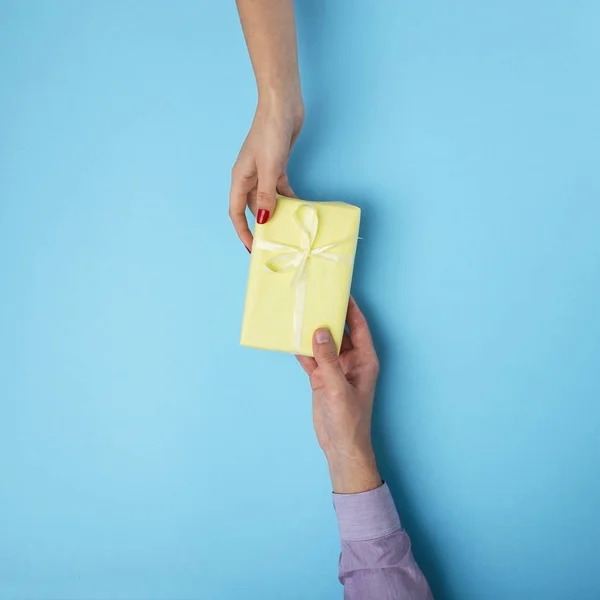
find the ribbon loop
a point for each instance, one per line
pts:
(281, 263)
(308, 220)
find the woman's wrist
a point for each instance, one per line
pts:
(285, 102)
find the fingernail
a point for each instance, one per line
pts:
(322, 336)
(262, 216)
(249, 251)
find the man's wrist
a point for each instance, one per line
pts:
(354, 474)
(367, 516)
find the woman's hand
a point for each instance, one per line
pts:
(259, 172)
(343, 392)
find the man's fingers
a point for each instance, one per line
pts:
(360, 336)
(327, 358)
(308, 363)
(346, 343)
(266, 195)
(362, 344)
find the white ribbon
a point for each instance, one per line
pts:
(291, 257)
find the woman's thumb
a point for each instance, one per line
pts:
(327, 357)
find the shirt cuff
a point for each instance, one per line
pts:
(367, 515)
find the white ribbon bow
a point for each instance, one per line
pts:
(294, 257)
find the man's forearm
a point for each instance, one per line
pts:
(376, 560)
(270, 32)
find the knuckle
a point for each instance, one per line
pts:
(374, 367)
(329, 357)
(239, 173)
(335, 394)
(264, 197)
(360, 324)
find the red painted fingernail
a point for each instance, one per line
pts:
(262, 216)
(249, 251)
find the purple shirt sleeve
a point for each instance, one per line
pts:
(376, 561)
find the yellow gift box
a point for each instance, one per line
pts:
(300, 275)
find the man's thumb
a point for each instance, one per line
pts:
(266, 195)
(326, 356)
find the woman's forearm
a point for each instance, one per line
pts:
(270, 32)
(260, 171)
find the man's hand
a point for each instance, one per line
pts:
(260, 170)
(343, 392)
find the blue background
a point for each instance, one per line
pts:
(143, 453)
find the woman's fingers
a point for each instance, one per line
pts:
(241, 186)
(284, 187)
(261, 204)
(252, 201)
(240, 224)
